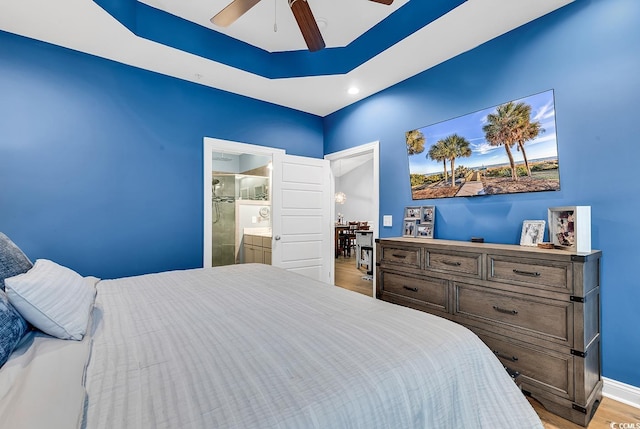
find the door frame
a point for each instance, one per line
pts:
(346, 153)
(211, 145)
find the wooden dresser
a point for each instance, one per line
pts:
(537, 309)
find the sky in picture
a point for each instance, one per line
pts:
(483, 154)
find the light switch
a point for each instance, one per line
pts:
(387, 220)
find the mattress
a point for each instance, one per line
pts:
(254, 346)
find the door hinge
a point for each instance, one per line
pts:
(574, 298)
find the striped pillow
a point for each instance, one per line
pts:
(53, 298)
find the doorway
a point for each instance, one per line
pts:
(241, 207)
(300, 209)
(355, 185)
(237, 201)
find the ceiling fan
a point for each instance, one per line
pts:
(301, 12)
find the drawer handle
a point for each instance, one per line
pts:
(527, 273)
(412, 289)
(395, 255)
(504, 310)
(451, 263)
(511, 358)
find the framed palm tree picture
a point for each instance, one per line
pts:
(504, 149)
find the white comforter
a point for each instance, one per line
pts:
(253, 346)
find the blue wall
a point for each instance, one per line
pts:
(102, 162)
(588, 54)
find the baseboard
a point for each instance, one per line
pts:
(621, 392)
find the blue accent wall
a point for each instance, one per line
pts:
(101, 163)
(587, 52)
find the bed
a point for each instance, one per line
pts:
(254, 346)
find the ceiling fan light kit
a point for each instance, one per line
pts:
(300, 9)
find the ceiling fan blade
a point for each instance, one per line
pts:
(383, 1)
(307, 23)
(233, 11)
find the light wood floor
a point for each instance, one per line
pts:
(349, 277)
(608, 412)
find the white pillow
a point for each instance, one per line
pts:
(53, 298)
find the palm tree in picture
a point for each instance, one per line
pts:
(500, 130)
(415, 142)
(455, 147)
(525, 131)
(438, 152)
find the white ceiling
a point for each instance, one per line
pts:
(342, 21)
(83, 26)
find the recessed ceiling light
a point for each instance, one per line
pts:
(353, 90)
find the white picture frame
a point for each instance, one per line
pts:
(425, 230)
(532, 232)
(426, 224)
(409, 227)
(428, 214)
(412, 212)
(570, 228)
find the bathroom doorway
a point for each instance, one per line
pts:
(298, 208)
(240, 208)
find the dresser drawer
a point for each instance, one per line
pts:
(550, 371)
(540, 274)
(548, 318)
(454, 262)
(406, 256)
(433, 292)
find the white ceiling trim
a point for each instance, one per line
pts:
(83, 26)
(342, 21)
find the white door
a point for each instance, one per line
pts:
(302, 226)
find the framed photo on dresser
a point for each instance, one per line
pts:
(412, 212)
(419, 221)
(532, 232)
(570, 228)
(410, 227)
(425, 230)
(427, 222)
